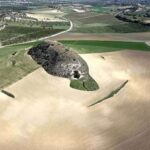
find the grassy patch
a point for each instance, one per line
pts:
(114, 92)
(105, 46)
(92, 22)
(120, 28)
(17, 34)
(15, 63)
(84, 84)
(18, 47)
(77, 84)
(101, 9)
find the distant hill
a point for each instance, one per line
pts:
(134, 13)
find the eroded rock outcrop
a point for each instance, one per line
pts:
(58, 60)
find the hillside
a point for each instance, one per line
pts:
(135, 14)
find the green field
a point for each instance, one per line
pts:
(101, 9)
(84, 84)
(120, 28)
(93, 22)
(105, 46)
(15, 63)
(17, 34)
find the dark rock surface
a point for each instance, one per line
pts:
(59, 61)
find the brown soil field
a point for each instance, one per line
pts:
(47, 114)
(144, 36)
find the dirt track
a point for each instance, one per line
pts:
(48, 114)
(118, 37)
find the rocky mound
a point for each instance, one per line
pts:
(58, 60)
(63, 62)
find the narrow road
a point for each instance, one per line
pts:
(44, 38)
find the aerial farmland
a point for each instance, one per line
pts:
(74, 76)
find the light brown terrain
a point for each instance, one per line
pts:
(145, 36)
(47, 114)
(48, 15)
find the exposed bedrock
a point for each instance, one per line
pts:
(60, 61)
